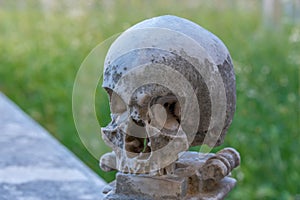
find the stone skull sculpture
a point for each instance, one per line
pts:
(171, 86)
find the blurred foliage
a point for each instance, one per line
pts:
(42, 47)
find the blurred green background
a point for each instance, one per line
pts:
(43, 43)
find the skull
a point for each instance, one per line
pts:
(171, 86)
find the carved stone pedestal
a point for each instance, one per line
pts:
(188, 182)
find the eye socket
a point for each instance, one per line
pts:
(158, 116)
(170, 107)
(165, 112)
(170, 104)
(117, 105)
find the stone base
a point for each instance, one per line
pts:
(186, 183)
(141, 187)
(168, 187)
(217, 193)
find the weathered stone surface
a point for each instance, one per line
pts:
(172, 41)
(156, 187)
(34, 166)
(220, 165)
(217, 192)
(187, 183)
(171, 86)
(108, 162)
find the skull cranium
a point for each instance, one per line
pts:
(162, 82)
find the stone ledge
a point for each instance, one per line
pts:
(34, 166)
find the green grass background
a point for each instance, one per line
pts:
(41, 51)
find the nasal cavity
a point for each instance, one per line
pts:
(139, 122)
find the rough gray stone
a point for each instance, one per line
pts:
(221, 164)
(169, 187)
(175, 42)
(171, 85)
(34, 166)
(187, 183)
